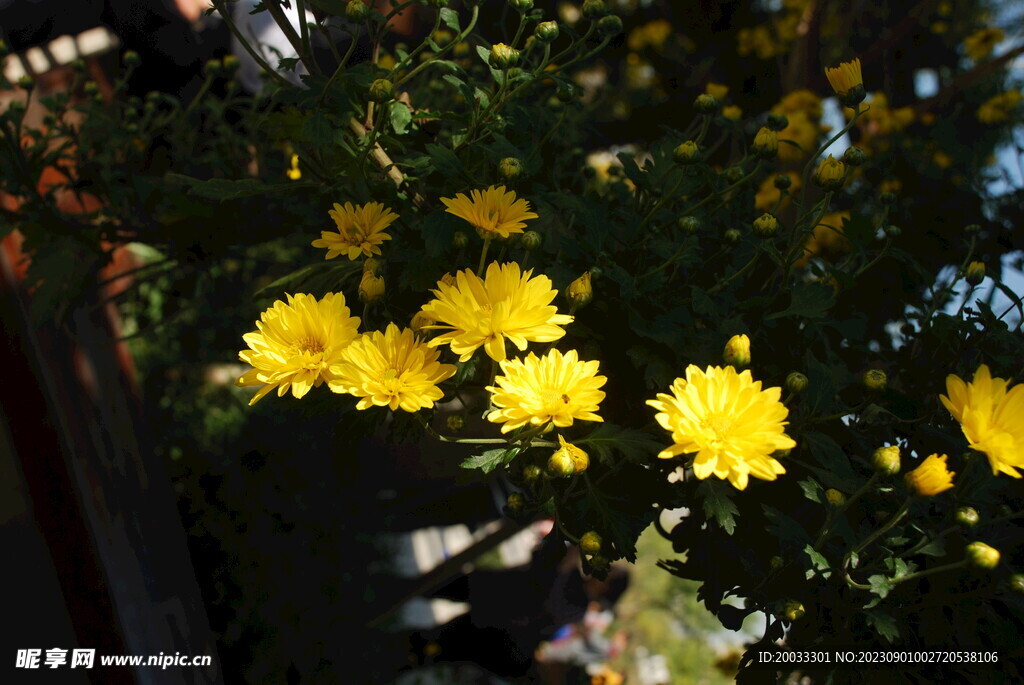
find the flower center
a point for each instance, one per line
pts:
(718, 425)
(309, 345)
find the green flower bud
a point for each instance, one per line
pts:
(686, 153)
(972, 229)
(782, 181)
(91, 88)
(765, 226)
(975, 273)
(509, 169)
(609, 26)
(230, 63)
(886, 460)
(733, 174)
(777, 122)
(382, 90)
(502, 56)
(594, 9)
(854, 96)
(546, 31)
(796, 382)
(460, 239)
(357, 11)
(455, 423)
(732, 236)
(515, 502)
(854, 156)
(688, 224)
(530, 240)
(775, 563)
(1016, 583)
(599, 563)
(981, 555)
(705, 104)
(875, 380)
(893, 231)
(521, 6)
(766, 143)
(590, 543)
(531, 472)
(130, 58)
(967, 516)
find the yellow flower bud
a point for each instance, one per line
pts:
(515, 502)
(931, 477)
(560, 465)
(580, 292)
(371, 288)
(503, 56)
(975, 273)
(419, 322)
(875, 380)
(967, 516)
(578, 458)
(847, 81)
(886, 460)
(705, 104)
(835, 498)
(792, 611)
(510, 168)
(686, 153)
(981, 555)
(765, 226)
(830, 174)
(590, 543)
(737, 351)
(766, 143)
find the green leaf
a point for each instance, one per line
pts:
(318, 130)
(609, 438)
(836, 471)
(819, 564)
(491, 459)
(810, 300)
(450, 18)
(401, 116)
(884, 625)
(812, 490)
(880, 585)
(718, 504)
(935, 548)
(444, 160)
(324, 276)
(226, 189)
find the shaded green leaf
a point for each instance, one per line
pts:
(718, 504)
(491, 459)
(609, 438)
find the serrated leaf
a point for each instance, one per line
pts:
(812, 490)
(609, 438)
(809, 300)
(935, 548)
(444, 160)
(718, 504)
(880, 585)
(836, 471)
(491, 459)
(819, 564)
(318, 130)
(884, 625)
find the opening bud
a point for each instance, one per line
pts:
(830, 174)
(766, 143)
(981, 555)
(737, 351)
(357, 11)
(765, 226)
(686, 153)
(580, 292)
(975, 273)
(503, 56)
(875, 380)
(967, 516)
(590, 543)
(886, 460)
(509, 169)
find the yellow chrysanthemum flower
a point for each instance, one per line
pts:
(391, 369)
(554, 388)
(296, 344)
(845, 77)
(998, 107)
(980, 44)
(505, 304)
(728, 420)
(360, 230)
(992, 419)
(931, 477)
(495, 212)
